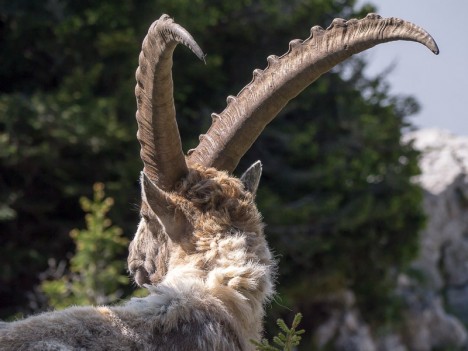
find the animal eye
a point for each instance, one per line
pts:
(145, 217)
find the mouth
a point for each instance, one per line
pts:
(140, 275)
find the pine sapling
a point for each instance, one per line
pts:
(286, 339)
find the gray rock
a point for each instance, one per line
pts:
(437, 304)
(391, 342)
(429, 327)
(354, 334)
(345, 329)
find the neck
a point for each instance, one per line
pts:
(236, 271)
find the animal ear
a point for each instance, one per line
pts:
(251, 177)
(175, 223)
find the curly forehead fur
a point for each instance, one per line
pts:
(216, 202)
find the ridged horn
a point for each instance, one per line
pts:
(235, 129)
(158, 133)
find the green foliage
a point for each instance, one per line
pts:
(66, 121)
(287, 339)
(96, 274)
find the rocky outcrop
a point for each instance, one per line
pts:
(438, 303)
(345, 328)
(436, 309)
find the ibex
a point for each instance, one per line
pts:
(200, 248)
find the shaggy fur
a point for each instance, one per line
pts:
(204, 295)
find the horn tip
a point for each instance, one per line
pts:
(431, 44)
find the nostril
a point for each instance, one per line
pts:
(141, 276)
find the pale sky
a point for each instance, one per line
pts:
(439, 83)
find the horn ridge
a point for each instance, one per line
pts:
(246, 115)
(158, 133)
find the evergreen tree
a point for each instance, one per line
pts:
(96, 274)
(286, 340)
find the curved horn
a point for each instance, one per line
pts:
(158, 134)
(234, 130)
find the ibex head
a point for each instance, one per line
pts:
(191, 202)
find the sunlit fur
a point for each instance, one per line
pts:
(209, 297)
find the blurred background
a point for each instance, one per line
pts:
(440, 88)
(342, 213)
